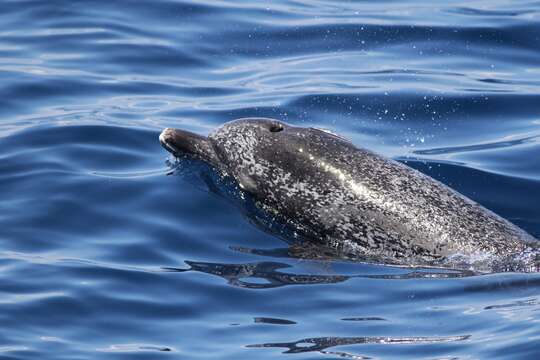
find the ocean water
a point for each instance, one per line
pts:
(110, 249)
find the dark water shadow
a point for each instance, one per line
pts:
(320, 344)
(489, 13)
(477, 147)
(364, 318)
(514, 305)
(273, 321)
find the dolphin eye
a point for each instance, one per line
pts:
(276, 127)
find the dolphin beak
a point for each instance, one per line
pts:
(181, 142)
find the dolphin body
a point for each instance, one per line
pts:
(356, 203)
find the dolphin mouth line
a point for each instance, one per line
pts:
(181, 143)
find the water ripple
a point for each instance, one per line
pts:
(96, 221)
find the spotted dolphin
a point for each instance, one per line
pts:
(359, 203)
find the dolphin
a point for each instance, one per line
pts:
(358, 203)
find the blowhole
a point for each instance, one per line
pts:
(276, 128)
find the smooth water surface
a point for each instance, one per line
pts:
(111, 249)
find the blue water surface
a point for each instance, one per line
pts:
(111, 249)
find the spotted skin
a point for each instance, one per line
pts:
(363, 204)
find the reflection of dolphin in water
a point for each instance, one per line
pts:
(322, 343)
(264, 275)
(355, 203)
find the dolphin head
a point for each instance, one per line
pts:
(257, 152)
